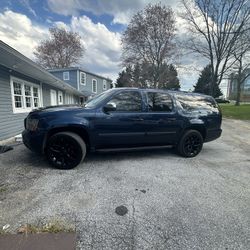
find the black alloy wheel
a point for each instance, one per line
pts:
(65, 150)
(190, 144)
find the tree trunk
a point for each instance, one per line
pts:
(237, 103)
(239, 82)
(212, 86)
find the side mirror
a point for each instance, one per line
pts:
(109, 107)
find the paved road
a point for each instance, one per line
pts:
(172, 202)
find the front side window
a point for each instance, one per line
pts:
(127, 101)
(83, 78)
(97, 99)
(66, 76)
(94, 86)
(25, 95)
(159, 102)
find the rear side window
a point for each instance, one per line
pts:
(159, 102)
(191, 103)
(127, 101)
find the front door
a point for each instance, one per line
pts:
(53, 98)
(60, 98)
(123, 126)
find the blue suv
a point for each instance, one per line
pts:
(123, 118)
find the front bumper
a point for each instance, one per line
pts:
(213, 134)
(34, 140)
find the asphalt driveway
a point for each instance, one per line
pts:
(172, 202)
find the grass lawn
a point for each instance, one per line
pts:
(241, 112)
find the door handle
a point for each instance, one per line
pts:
(171, 119)
(137, 119)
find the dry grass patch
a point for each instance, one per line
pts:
(51, 227)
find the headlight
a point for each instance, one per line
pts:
(31, 124)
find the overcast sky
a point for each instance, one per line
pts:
(24, 23)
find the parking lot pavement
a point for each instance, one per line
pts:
(171, 202)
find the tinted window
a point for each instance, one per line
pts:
(196, 103)
(96, 100)
(159, 102)
(127, 101)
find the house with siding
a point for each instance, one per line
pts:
(24, 85)
(84, 81)
(245, 88)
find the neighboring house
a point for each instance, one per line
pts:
(84, 81)
(24, 86)
(245, 91)
(224, 88)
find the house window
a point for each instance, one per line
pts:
(66, 76)
(104, 84)
(94, 86)
(35, 97)
(83, 78)
(25, 95)
(18, 95)
(28, 96)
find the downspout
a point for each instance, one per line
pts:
(78, 80)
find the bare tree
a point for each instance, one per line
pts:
(149, 38)
(242, 64)
(215, 27)
(62, 49)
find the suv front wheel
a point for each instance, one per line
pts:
(190, 143)
(65, 150)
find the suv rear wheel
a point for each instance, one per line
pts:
(190, 143)
(65, 150)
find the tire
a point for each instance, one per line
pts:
(190, 144)
(65, 150)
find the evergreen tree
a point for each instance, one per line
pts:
(146, 75)
(168, 78)
(125, 78)
(204, 82)
(136, 75)
(120, 82)
(143, 76)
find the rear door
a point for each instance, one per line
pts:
(124, 126)
(163, 122)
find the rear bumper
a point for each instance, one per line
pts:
(34, 140)
(213, 134)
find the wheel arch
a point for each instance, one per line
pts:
(79, 130)
(198, 127)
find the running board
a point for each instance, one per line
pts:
(132, 148)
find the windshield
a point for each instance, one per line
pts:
(193, 103)
(93, 102)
